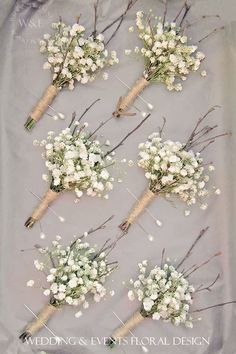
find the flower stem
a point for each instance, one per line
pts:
(29, 124)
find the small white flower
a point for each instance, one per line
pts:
(131, 29)
(203, 206)
(203, 73)
(61, 218)
(147, 304)
(35, 142)
(78, 314)
(187, 212)
(131, 295)
(128, 51)
(156, 316)
(46, 292)
(50, 278)
(30, 283)
(217, 191)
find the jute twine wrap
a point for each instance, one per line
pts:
(48, 96)
(132, 94)
(138, 208)
(47, 199)
(132, 322)
(42, 318)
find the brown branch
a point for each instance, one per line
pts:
(202, 232)
(187, 8)
(126, 137)
(213, 306)
(130, 4)
(91, 231)
(100, 126)
(82, 115)
(208, 287)
(163, 126)
(120, 19)
(95, 17)
(72, 119)
(195, 131)
(165, 12)
(203, 264)
(179, 13)
(200, 19)
(185, 271)
(206, 146)
(212, 32)
(162, 256)
(88, 108)
(212, 138)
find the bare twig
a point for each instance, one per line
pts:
(110, 247)
(162, 256)
(126, 137)
(202, 232)
(211, 138)
(91, 231)
(203, 264)
(179, 13)
(163, 126)
(195, 131)
(100, 126)
(82, 115)
(95, 17)
(165, 11)
(213, 306)
(88, 108)
(206, 146)
(208, 287)
(120, 19)
(212, 32)
(187, 8)
(72, 119)
(200, 19)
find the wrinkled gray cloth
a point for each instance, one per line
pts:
(22, 79)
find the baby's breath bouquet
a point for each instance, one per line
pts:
(74, 273)
(173, 168)
(76, 160)
(72, 57)
(168, 55)
(165, 293)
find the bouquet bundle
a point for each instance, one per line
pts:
(77, 161)
(168, 56)
(76, 272)
(165, 293)
(73, 56)
(174, 168)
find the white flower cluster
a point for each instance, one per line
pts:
(173, 170)
(166, 52)
(73, 57)
(78, 270)
(77, 162)
(164, 294)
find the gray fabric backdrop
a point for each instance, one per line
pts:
(22, 77)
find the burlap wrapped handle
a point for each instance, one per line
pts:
(42, 318)
(42, 105)
(125, 102)
(122, 331)
(138, 208)
(38, 212)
